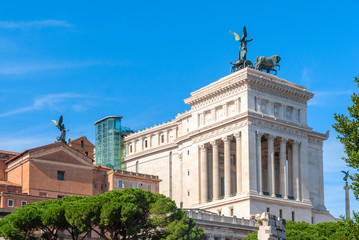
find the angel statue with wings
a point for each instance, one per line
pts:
(242, 61)
(242, 55)
(59, 124)
(346, 177)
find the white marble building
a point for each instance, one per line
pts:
(243, 148)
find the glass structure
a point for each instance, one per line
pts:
(110, 147)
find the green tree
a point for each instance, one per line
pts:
(127, 214)
(22, 223)
(345, 229)
(348, 129)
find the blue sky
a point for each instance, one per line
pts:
(140, 59)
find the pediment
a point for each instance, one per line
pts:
(64, 156)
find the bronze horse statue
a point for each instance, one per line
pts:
(268, 64)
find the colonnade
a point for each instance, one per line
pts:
(279, 167)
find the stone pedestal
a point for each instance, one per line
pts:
(347, 203)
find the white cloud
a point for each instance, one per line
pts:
(47, 101)
(321, 98)
(34, 24)
(23, 68)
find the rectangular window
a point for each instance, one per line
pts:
(162, 138)
(232, 212)
(293, 216)
(134, 185)
(145, 143)
(268, 209)
(42, 194)
(23, 203)
(10, 203)
(95, 186)
(61, 175)
(121, 184)
(59, 196)
(280, 213)
(149, 187)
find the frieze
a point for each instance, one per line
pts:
(220, 131)
(277, 128)
(315, 141)
(277, 94)
(219, 96)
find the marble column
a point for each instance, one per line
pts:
(304, 176)
(290, 172)
(204, 177)
(283, 168)
(296, 185)
(215, 170)
(238, 163)
(181, 176)
(259, 161)
(271, 166)
(227, 166)
(321, 180)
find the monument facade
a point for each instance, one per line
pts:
(243, 148)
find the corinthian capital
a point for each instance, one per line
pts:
(237, 135)
(203, 147)
(214, 143)
(226, 139)
(270, 137)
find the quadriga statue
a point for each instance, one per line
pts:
(268, 64)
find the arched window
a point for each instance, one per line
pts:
(137, 167)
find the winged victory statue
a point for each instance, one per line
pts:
(242, 61)
(61, 126)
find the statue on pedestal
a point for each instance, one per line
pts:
(242, 61)
(61, 126)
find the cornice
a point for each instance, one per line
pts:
(151, 130)
(253, 79)
(150, 151)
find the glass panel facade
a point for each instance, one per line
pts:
(108, 142)
(110, 147)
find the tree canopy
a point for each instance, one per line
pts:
(348, 130)
(127, 214)
(346, 229)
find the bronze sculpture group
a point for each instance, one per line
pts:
(262, 63)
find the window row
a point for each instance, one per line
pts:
(11, 203)
(219, 113)
(279, 110)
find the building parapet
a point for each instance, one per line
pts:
(136, 174)
(199, 214)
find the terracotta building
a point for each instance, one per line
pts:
(84, 146)
(58, 169)
(5, 156)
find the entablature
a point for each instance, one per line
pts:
(244, 79)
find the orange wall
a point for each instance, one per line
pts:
(78, 181)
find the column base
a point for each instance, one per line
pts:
(285, 197)
(273, 195)
(297, 199)
(260, 193)
(306, 201)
